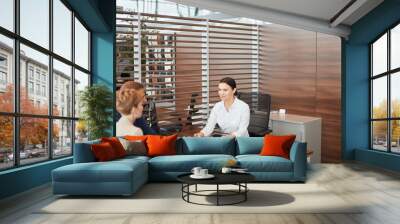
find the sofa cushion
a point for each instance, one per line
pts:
(159, 145)
(206, 145)
(116, 145)
(130, 158)
(112, 171)
(249, 145)
(275, 145)
(257, 163)
(83, 152)
(134, 147)
(103, 152)
(136, 137)
(185, 163)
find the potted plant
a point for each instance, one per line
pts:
(96, 102)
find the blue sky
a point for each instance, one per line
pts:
(35, 27)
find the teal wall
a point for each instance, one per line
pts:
(99, 16)
(24, 178)
(103, 52)
(356, 84)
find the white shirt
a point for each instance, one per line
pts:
(126, 127)
(235, 120)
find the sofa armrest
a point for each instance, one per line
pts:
(298, 155)
(83, 152)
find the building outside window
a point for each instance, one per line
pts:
(3, 72)
(30, 87)
(44, 78)
(38, 89)
(37, 75)
(3, 80)
(30, 72)
(43, 90)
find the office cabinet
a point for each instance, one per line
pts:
(307, 129)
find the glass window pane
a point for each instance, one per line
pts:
(81, 45)
(6, 74)
(379, 56)
(81, 81)
(33, 139)
(379, 97)
(395, 47)
(62, 29)
(7, 14)
(34, 80)
(35, 21)
(395, 95)
(379, 135)
(6, 142)
(62, 138)
(395, 136)
(62, 89)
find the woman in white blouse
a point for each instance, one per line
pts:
(130, 105)
(231, 114)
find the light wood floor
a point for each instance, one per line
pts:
(377, 188)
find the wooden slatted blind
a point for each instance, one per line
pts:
(180, 60)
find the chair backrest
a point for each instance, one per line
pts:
(260, 107)
(150, 114)
(162, 125)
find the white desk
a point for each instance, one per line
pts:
(307, 129)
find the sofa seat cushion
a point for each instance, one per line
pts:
(133, 157)
(185, 163)
(112, 171)
(257, 163)
(249, 145)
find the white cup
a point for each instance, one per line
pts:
(226, 170)
(196, 170)
(203, 172)
(282, 111)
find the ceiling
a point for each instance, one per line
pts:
(326, 16)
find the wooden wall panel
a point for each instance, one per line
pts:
(288, 68)
(188, 74)
(302, 72)
(328, 95)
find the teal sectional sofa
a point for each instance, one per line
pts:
(125, 176)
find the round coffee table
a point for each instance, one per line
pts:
(238, 179)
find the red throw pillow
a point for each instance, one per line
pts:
(277, 145)
(103, 151)
(116, 145)
(161, 145)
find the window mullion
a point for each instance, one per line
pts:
(16, 84)
(50, 81)
(389, 106)
(73, 81)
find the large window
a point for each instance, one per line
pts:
(40, 80)
(385, 91)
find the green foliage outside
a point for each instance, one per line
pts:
(96, 102)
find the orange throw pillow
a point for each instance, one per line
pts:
(161, 145)
(277, 145)
(116, 145)
(103, 152)
(136, 138)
